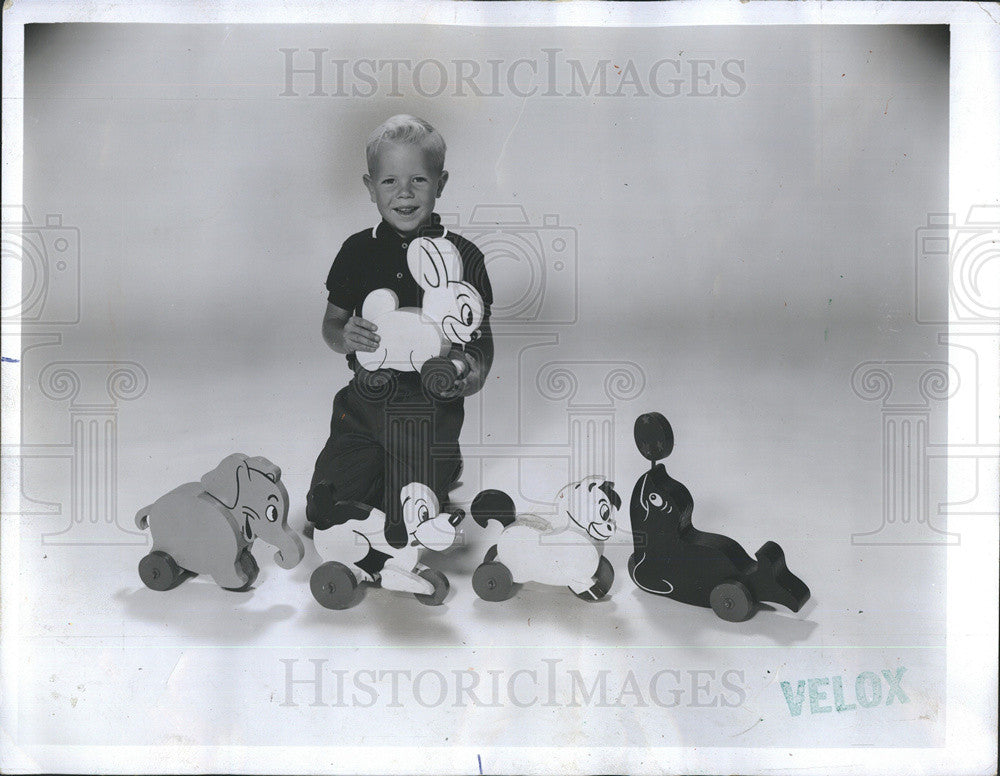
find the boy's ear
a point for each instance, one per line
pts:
(369, 184)
(442, 179)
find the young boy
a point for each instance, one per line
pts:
(374, 449)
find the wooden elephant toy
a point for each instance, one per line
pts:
(672, 558)
(561, 549)
(208, 527)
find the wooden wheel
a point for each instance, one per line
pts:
(493, 582)
(334, 585)
(731, 601)
(440, 584)
(438, 376)
(159, 571)
(250, 569)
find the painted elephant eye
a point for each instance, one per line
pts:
(423, 513)
(656, 499)
(271, 513)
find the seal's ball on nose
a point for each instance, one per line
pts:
(653, 436)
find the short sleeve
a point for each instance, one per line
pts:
(342, 281)
(474, 270)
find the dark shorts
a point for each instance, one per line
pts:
(384, 434)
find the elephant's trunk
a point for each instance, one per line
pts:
(290, 549)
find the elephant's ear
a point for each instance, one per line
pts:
(260, 464)
(221, 483)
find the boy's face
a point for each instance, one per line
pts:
(404, 186)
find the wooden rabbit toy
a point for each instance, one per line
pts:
(418, 339)
(672, 558)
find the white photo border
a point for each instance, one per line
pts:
(971, 710)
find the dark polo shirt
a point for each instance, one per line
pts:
(376, 258)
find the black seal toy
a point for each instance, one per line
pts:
(672, 558)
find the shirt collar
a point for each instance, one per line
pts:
(383, 231)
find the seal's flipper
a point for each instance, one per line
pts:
(772, 581)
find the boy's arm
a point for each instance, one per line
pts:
(478, 358)
(346, 333)
(477, 355)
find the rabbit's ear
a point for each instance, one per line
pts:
(433, 262)
(378, 302)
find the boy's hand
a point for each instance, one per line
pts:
(359, 334)
(469, 380)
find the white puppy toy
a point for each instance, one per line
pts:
(363, 545)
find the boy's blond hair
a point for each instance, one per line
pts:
(404, 128)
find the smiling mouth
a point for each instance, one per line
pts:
(596, 531)
(405, 211)
(456, 335)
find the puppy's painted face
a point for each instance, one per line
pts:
(426, 524)
(419, 505)
(593, 504)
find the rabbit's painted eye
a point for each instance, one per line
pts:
(423, 513)
(271, 513)
(466, 314)
(656, 499)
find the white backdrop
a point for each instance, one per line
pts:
(728, 260)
